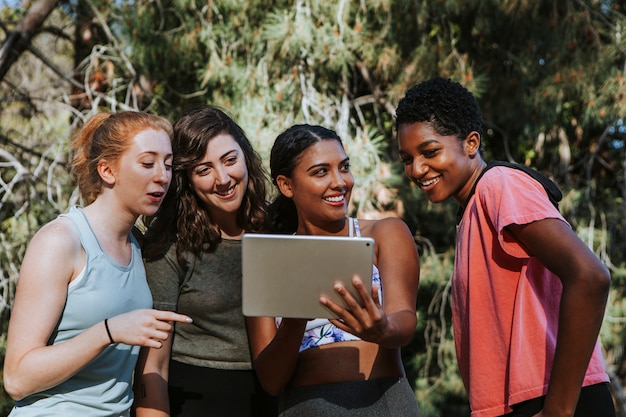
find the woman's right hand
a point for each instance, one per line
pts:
(145, 327)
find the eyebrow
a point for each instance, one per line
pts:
(234, 150)
(151, 153)
(426, 143)
(326, 164)
(420, 146)
(227, 153)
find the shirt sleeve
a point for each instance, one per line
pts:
(509, 196)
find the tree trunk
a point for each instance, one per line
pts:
(19, 40)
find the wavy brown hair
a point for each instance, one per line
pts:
(182, 217)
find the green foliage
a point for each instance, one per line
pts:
(345, 65)
(35, 184)
(430, 360)
(6, 403)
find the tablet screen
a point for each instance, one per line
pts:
(285, 275)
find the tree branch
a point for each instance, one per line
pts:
(19, 39)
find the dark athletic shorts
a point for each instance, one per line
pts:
(594, 401)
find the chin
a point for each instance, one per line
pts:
(435, 199)
(150, 211)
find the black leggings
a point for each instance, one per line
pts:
(196, 391)
(594, 401)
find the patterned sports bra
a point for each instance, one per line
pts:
(321, 331)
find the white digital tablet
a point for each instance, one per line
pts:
(285, 275)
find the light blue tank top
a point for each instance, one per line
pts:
(103, 289)
(322, 331)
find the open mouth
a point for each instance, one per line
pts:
(226, 192)
(426, 183)
(335, 199)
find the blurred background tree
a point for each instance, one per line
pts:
(548, 74)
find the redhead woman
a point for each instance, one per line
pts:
(82, 306)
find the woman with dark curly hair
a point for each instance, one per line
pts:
(193, 263)
(528, 294)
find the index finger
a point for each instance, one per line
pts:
(172, 316)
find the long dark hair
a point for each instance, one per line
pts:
(182, 218)
(287, 150)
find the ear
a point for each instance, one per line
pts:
(107, 173)
(472, 143)
(284, 186)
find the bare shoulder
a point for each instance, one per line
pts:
(57, 242)
(52, 259)
(388, 227)
(59, 231)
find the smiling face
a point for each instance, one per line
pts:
(220, 180)
(320, 184)
(143, 172)
(442, 166)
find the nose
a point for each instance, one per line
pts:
(221, 175)
(163, 174)
(417, 169)
(340, 179)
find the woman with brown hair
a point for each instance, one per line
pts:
(193, 262)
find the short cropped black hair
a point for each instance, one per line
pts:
(447, 106)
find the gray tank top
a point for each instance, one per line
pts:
(103, 289)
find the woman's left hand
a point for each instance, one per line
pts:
(366, 320)
(363, 314)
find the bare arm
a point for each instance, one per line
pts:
(53, 258)
(275, 351)
(393, 324)
(151, 381)
(586, 285)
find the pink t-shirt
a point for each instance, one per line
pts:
(506, 303)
